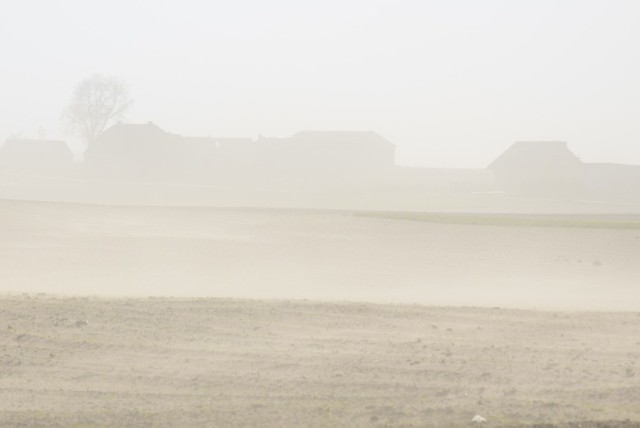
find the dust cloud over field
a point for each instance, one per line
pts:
(322, 255)
(196, 316)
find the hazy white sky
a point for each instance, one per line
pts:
(452, 83)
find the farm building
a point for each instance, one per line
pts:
(35, 155)
(539, 168)
(328, 150)
(147, 151)
(321, 158)
(612, 182)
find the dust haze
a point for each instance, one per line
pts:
(338, 214)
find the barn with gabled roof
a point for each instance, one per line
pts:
(538, 167)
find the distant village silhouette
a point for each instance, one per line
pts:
(311, 160)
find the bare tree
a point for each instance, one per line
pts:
(97, 102)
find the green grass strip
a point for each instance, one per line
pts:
(587, 221)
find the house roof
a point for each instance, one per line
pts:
(612, 166)
(134, 131)
(148, 132)
(341, 137)
(554, 154)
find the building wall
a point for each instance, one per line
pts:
(36, 156)
(612, 182)
(539, 180)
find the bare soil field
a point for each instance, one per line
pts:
(158, 316)
(220, 362)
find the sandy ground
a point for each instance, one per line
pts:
(237, 345)
(220, 362)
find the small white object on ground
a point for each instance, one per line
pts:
(478, 419)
